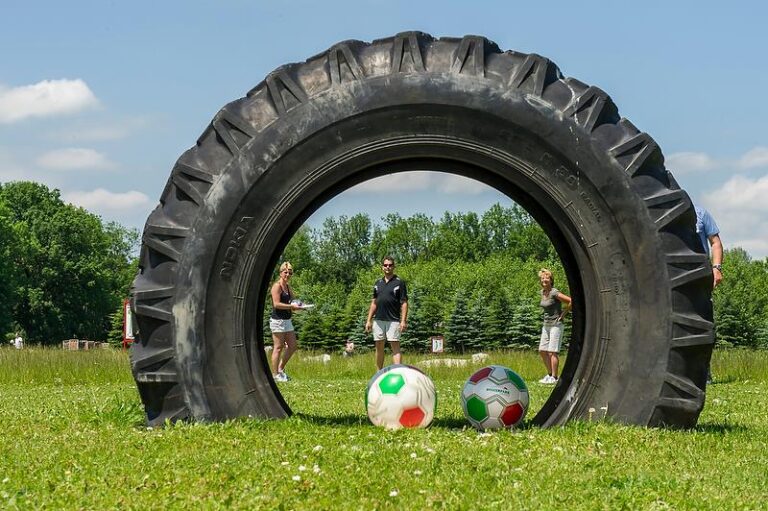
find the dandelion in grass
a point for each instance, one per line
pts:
(296, 478)
(302, 468)
(393, 493)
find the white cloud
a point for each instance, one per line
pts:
(692, 162)
(401, 182)
(741, 212)
(757, 248)
(689, 162)
(44, 99)
(453, 184)
(74, 158)
(741, 193)
(420, 181)
(104, 202)
(756, 157)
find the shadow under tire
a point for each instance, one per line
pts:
(641, 282)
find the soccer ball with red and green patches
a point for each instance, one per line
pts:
(400, 396)
(495, 397)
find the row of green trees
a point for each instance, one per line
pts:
(345, 245)
(63, 272)
(471, 278)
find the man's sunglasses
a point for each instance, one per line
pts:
(387, 265)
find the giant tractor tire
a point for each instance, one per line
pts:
(623, 228)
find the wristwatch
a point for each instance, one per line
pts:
(718, 267)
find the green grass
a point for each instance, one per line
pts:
(49, 366)
(72, 437)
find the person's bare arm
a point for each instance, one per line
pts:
(717, 258)
(567, 301)
(371, 312)
(403, 316)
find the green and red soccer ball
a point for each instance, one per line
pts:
(402, 396)
(494, 397)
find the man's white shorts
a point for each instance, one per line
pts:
(550, 337)
(389, 330)
(279, 326)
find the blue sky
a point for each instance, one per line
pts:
(99, 98)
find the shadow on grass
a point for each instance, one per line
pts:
(726, 379)
(448, 423)
(720, 428)
(362, 420)
(337, 420)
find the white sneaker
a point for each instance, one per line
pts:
(546, 380)
(280, 377)
(285, 375)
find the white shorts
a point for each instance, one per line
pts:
(389, 330)
(550, 337)
(279, 326)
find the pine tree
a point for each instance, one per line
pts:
(762, 335)
(310, 329)
(348, 323)
(332, 335)
(358, 334)
(432, 313)
(416, 335)
(478, 309)
(732, 327)
(524, 329)
(115, 335)
(495, 321)
(460, 328)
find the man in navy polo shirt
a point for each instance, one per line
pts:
(388, 313)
